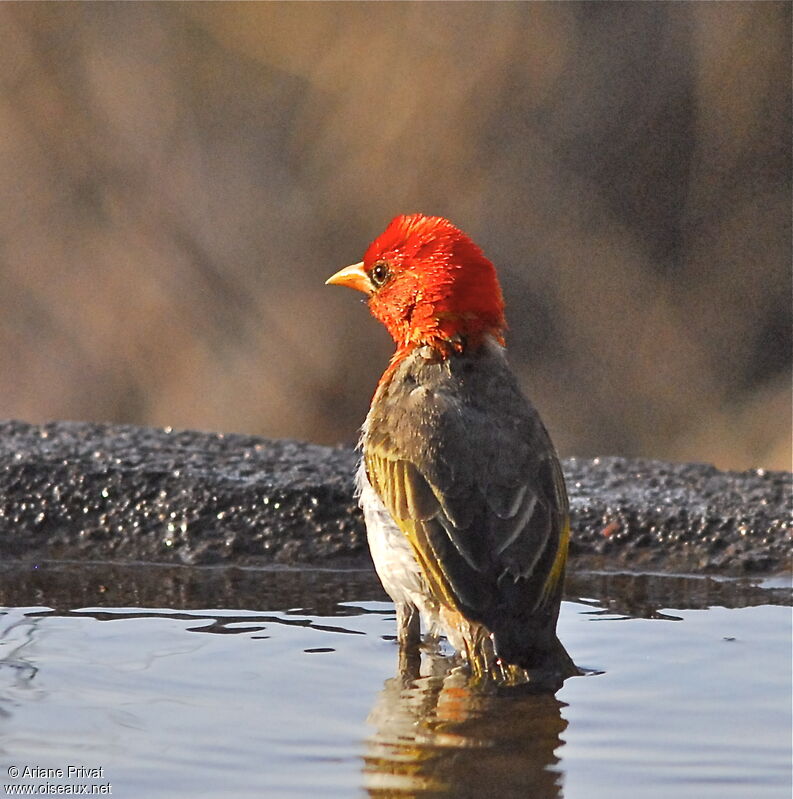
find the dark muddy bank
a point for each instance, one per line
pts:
(110, 492)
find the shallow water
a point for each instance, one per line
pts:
(179, 682)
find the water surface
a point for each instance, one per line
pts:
(249, 683)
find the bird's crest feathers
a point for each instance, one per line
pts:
(439, 288)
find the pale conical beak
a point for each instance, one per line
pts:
(352, 276)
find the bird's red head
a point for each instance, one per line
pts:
(428, 283)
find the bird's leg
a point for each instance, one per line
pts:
(408, 626)
(409, 637)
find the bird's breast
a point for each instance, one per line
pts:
(391, 553)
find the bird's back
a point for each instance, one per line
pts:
(465, 467)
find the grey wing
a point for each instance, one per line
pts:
(468, 471)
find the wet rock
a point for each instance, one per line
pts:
(113, 492)
(73, 490)
(652, 515)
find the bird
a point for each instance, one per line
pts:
(461, 488)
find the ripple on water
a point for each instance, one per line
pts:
(300, 697)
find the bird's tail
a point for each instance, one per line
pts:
(488, 668)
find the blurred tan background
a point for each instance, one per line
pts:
(177, 181)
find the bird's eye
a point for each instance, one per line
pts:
(379, 273)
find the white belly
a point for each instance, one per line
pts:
(393, 557)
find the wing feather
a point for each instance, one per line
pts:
(468, 472)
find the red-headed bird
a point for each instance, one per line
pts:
(462, 492)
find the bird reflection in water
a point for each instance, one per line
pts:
(439, 733)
